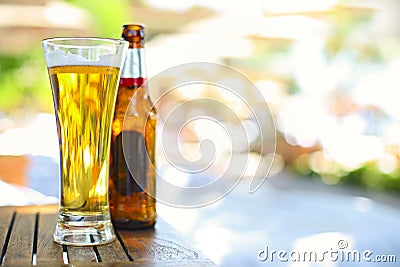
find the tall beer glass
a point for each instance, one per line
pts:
(84, 75)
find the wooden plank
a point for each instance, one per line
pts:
(162, 245)
(5, 223)
(50, 208)
(138, 263)
(159, 246)
(81, 254)
(47, 250)
(21, 240)
(112, 252)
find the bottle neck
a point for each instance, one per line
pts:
(133, 72)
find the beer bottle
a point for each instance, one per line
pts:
(132, 158)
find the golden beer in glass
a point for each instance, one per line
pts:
(84, 75)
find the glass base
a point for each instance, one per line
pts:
(85, 232)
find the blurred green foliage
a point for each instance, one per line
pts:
(107, 16)
(371, 177)
(24, 85)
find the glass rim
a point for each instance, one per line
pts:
(99, 41)
(64, 51)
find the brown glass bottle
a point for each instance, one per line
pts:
(132, 178)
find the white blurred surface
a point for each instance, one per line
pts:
(13, 195)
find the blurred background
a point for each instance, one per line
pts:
(329, 71)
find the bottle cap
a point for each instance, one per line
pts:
(134, 34)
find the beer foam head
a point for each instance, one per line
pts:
(84, 51)
(59, 57)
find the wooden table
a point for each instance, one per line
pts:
(26, 238)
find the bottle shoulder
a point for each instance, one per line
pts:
(135, 108)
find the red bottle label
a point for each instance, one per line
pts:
(132, 82)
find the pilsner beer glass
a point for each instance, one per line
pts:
(84, 75)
